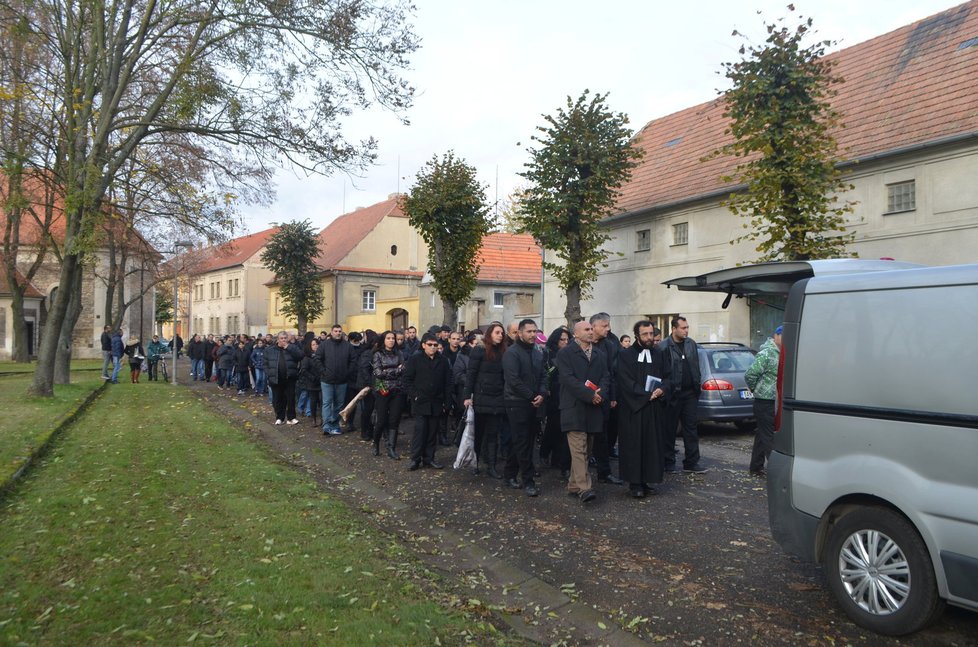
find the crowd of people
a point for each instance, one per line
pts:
(581, 394)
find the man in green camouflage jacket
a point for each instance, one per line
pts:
(762, 378)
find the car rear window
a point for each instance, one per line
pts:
(730, 361)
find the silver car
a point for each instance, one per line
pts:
(724, 394)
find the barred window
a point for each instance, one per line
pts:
(680, 233)
(643, 238)
(901, 196)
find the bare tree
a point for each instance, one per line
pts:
(269, 81)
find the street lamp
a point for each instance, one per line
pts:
(176, 304)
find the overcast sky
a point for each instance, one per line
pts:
(488, 69)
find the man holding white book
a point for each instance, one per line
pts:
(640, 442)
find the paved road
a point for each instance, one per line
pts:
(695, 564)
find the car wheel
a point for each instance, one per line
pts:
(880, 572)
(745, 425)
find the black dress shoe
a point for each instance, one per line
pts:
(435, 465)
(695, 469)
(587, 495)
(513, 483)
(531, 490)
(758, 473)
(414, 465)
(649, 489)
(610, 478)
(493, 473)
(565, 475)
(637, 492)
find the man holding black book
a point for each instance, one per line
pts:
(584, 377)
(639, 432)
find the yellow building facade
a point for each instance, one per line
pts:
(371, 264)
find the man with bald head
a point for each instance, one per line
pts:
(584, 377)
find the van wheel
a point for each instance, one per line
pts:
(880, 572)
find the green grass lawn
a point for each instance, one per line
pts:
(153, 520)
(7, 366)
(27, 421)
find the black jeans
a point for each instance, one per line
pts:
(366, 424)
(764, 436)
(681, 411)
(283, 400)
(152, 364)
(523, 426)
(425, 438)
(389, 408)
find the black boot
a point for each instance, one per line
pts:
(392, 445)
(491, 453)
(377, 445)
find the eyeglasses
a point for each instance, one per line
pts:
(431, 343)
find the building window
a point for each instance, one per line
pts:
(680, 233)
(393, 250)
(369, 300)
(901, 196)
(217, 288)
(643, 240)
(236, 287)
(212, 290)
(497, 299)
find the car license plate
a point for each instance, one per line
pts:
(746, 394)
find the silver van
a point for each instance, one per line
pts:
(874, 472)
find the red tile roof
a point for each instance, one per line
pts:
(339, 238)
(509, 258)
(915, 85)
(39, 192)
(234, 252)
(31, 292)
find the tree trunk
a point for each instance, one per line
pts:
(43, 383)
(572, 313)
(301, 324)
(450, 314)
(19, 325)
(62, 361)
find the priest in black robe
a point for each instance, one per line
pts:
(640, 462)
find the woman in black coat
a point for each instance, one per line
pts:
(554, 443)
(388, 368)
(484, 392)
(310, 370)
(134, 349)
(282, 365)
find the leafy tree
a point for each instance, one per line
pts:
(164, 307)
(250, 82)
(585, 156)
(290, 253)
(447, 206)
(781, 119)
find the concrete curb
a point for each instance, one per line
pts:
(531, 607)
(63, 423)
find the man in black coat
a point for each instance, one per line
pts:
(427, 381)
(336, 357)
(640, 434)
(209, 346)
(584, 377)
(106, 341)
(524, 389)
(681, 372)
(604, 447)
